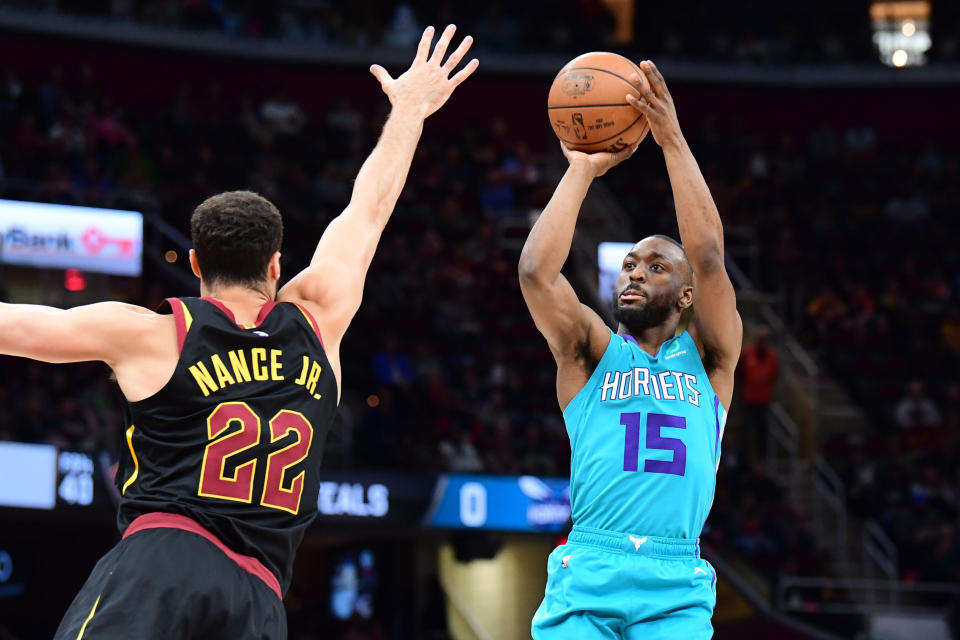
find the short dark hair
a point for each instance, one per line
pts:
(234, 234)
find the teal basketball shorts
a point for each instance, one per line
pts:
(606, 584)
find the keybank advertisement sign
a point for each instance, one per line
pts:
(503, 503)
(64, 237)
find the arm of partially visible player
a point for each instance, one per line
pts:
(105, 331)
(334, 280)
(568, 325)
(716, 325)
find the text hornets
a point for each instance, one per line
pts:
(665, 385)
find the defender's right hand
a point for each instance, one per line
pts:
(427, 84)
(598, 163)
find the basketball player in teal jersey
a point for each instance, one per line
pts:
(644, 407)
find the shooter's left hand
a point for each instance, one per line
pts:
(656, 103)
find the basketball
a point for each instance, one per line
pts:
(586, 104)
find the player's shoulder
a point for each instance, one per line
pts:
(315, 283)
(119, 314)
(125, 307)
(135, 320)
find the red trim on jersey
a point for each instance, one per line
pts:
(264, 312)
(313, 323)
(249, 564)
(224, 308)
(178, 318)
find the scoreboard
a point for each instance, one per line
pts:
(40, 477)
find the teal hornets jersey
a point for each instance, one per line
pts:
(645, 436)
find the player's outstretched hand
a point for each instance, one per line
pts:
(427, 84)
(599, 162)
(656, 103)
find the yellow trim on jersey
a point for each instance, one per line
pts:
(307, 318)
(136, 463)
(187, 318)
(89, 617)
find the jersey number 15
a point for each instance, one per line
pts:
(655, 421)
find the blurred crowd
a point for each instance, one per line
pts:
(749, 32)
(443, 368)
(856, 239)
(906, 478)
(456, 377)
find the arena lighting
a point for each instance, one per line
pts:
(901, 32)
(73, 280)
(610, 260)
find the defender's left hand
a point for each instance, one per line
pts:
(427, 84)
(656, 103)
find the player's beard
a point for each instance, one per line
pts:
(637, 318)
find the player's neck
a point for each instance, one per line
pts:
(650, 338)
(245, 302)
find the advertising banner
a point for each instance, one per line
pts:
(28, 475)
(501, 503)
(64, 237)
(373, 498)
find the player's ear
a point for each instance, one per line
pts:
(273, 268)
(686, 297)
(194, 265)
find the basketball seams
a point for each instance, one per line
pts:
(590, 106)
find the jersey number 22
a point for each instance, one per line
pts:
(215, 482)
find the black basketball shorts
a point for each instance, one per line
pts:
(172, 584)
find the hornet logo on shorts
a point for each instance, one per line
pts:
(548, 507)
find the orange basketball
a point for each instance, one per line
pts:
(587, 107)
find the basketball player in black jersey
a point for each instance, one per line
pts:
(230, 396)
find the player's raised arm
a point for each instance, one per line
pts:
(104, 331)
(716, 325)
(334, 280)
(570, 327)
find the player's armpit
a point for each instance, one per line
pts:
(105, 331)
(716, 326)
(332, 289)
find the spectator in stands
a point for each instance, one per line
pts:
(391, 366)
(282, 115)
(950, 330)
(404, 30)
(757, 376)
(916, 408)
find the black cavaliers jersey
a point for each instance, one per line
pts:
(234, 439)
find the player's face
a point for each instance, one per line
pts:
(650, 284)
